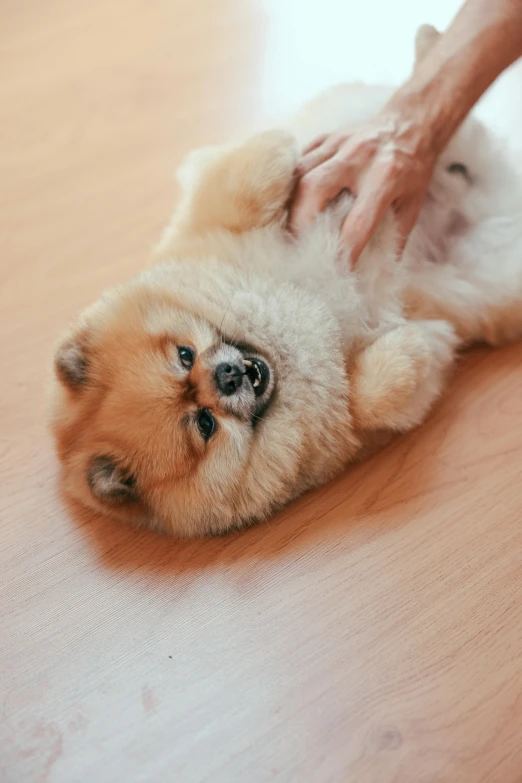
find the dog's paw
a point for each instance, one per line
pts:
(266, 170)
(387, 376)
(398, 378)
(239, 187)
(441, 339)
(439, 342)
(192, 168)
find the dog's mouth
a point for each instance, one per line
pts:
(259, 377)
(258, 373)
(246, 380)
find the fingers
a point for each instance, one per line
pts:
(314, 144)
(382, 168)
(372, 203)
(315, 190)
(318, 154)
(407, 217)
(332, 163)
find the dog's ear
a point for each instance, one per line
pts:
(110, 483)
(425, 38)
(71, 361)
(237, 188)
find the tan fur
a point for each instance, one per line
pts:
(230, 190)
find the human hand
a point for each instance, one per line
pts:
(386, 163)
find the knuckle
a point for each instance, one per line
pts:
(360, 226)
(355, 226)
(390, 166)
(335, 141)
(315, 180)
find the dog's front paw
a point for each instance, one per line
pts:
(432, 357)
(237, 188)
(398, 378)
(266, 170)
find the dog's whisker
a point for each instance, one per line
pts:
(225, 314)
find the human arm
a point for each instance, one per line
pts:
(388, 162)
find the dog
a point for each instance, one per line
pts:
(248, 366)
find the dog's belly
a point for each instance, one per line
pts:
(439, 232)
(462, 260)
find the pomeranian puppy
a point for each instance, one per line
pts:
(248, 366)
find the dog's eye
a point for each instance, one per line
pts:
(459, 168)
(186, 356)
(206, 423)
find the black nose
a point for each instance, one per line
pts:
(228, 378)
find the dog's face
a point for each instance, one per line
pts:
(165, 417)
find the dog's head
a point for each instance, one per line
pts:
(196, 399)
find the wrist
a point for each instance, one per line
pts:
(418, 116)
(454, 75)
(427, 107)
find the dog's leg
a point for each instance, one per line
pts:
(397, 379)
(487, 307)
(235, 188)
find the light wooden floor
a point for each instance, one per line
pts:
(373, 632)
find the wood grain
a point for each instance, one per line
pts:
(373, 632)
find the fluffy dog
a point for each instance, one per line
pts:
(247, 366)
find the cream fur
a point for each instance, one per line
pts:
(355, 356)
